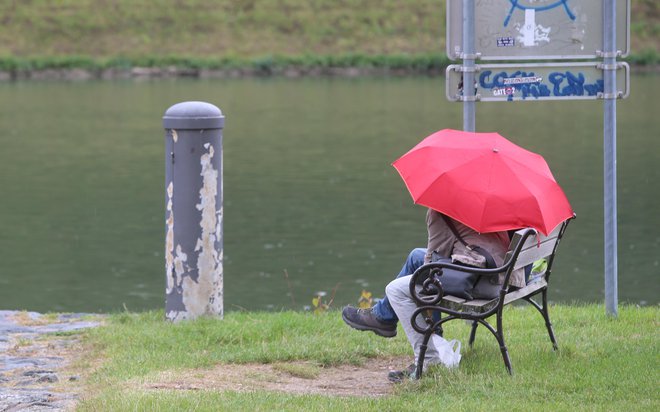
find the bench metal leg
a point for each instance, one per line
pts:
(546, 316)
(499, 335)
(505, 356)
(473, 332)
(548, 324)
(422, 354)
(500, 339)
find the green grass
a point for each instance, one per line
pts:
(603, 363)
(199, 28)
(263, 65)
(143, 343)
(261, 35)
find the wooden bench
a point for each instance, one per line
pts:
(434, 309)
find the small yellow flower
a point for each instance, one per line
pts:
(365, 301)
(319, 305)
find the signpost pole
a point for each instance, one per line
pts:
(609, 148)
(512, 30)
(469, 117)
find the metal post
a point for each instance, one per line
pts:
(609, 147)
(469, 116)
(193, 215)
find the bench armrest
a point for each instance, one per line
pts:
(426, 283)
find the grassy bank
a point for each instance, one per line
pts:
(263, 65)
(253, 36)
(18, 67)
(603, 364)
(228, 28)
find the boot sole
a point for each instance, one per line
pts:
(380, 332)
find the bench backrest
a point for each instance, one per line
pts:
(535, 247)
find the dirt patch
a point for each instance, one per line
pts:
(36, 373)
(368, 380)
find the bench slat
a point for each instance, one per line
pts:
(475, 305)
(522, 292)
(482, 305)
(534, 253)
(535, 247)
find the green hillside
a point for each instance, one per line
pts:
(240, 30)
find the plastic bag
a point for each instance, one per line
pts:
(449, 352)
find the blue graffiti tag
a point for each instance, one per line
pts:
(515, 5)
(562, 84)
(569, 84)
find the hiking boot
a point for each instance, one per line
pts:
(400, 376)
(364, 319)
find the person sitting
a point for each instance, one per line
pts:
(382, 318)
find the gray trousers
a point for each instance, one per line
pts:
(398, 293)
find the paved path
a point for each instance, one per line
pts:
(30, 368)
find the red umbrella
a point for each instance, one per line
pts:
(484, 181)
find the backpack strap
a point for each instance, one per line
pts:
(490, 262)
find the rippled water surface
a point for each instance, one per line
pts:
(309, 189)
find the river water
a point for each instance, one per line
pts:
(312, 203)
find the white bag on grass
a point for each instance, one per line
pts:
(449, 352)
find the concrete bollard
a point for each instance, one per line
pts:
(193, 215)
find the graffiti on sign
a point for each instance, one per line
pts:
(536, 29)
(559, 84)
(529, 9)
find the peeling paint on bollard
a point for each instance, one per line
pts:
(194, 211)
(169, 239)
(209, 259)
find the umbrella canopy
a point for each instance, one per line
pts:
(484, 181)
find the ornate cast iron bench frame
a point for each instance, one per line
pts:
(527, 246)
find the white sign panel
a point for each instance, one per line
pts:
(535, 82)
(536, 29)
